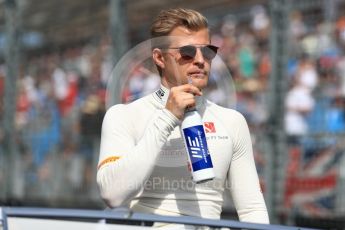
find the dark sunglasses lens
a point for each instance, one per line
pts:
(209, 52)
(188, 52)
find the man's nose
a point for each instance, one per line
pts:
(199, 58)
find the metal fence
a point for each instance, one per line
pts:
(121, 218)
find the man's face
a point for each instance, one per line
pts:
(179, 70)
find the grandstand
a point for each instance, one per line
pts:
(286, 59)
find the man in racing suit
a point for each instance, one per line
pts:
(143, 162)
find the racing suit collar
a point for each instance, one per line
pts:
(161, 95)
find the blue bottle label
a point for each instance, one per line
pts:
(196, 144)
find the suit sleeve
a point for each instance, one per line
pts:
(243, 179)
(125, 164)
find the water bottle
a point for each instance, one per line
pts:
(199, 157)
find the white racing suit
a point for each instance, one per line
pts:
(143, 162)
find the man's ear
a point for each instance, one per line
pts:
(158, 58)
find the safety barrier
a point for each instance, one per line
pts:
(20, 218)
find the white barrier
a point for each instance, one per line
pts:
(15, 218)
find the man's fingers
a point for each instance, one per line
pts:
(181, 98)
(189, 88)
(189, 102)
(194, 90)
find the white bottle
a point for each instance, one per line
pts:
(199, 157)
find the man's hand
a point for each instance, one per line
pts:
(180, 98)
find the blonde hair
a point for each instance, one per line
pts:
(169, 19)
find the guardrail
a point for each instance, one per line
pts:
(123, 217)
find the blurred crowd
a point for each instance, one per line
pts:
(315, 75)
(61, 95)
(315, 101)
(59, 112)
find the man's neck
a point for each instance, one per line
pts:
(166, 83)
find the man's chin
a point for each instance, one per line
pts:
(200, 83)
(200, 86)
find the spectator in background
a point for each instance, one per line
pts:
(23, 105)
(60, 83)
(151, 83)
(264, 68)
(299, 103)
(326, 45)
(91, 117)
(340, 32)
(260, 23)
(73, 165)
(336, 115)
(251, 103)
(246, 56)
(136, 84)
(43, 129)
(297, 30)
(306, 74)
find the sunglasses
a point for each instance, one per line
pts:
(188, 52)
